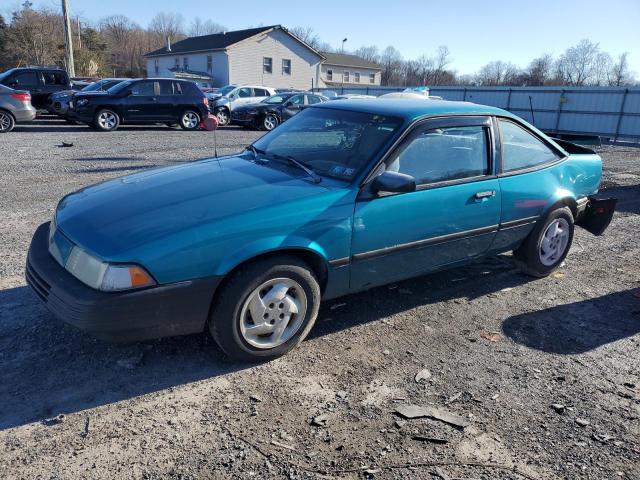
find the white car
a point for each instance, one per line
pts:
(227, 98)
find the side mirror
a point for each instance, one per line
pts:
(393, 182)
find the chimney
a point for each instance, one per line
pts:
(168, 44)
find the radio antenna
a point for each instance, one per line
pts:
(215, 143)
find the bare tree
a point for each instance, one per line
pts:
(207, 27)
(619, 73)
(497, 73)
(167, 25)
(391, 61)
(369, 53)
(35, 37)
(309, 36)
(540, 70)
(580, 65)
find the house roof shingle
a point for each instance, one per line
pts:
(348, 60)
(216, 41)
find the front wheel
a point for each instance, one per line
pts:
(106, 120)
(265, 309)
(546, 247)
(7, 122)
(270, 122)
(223, 117)
(189, 120)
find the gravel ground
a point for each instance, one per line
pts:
(545, 372)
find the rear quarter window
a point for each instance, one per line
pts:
(521, 149)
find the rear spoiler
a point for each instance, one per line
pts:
(573, 148)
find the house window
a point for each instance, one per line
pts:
(345, 77)
(372, 78)
(156, 67)
(286, 66)
(185, 63)
(176, 62)
(209, 63)
(267, 65)
(329, 75)
(356, 77)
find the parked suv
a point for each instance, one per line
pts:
(227, 98)
(40, 82)
(15, 106)
(143, 100)
(59, 102)
(272, 111)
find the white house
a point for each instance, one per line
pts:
(340, 69)
(269, 56)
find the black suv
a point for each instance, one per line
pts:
(143, 100)
(40, 82)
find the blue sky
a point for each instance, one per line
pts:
(476, 32)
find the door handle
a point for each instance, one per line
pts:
(486, 194)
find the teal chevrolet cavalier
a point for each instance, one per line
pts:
(343, 197)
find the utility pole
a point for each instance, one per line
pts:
(68, 43)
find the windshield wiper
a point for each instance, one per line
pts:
(255, 152)
(314, 176)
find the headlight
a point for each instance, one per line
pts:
(104, 276)
(82, 102)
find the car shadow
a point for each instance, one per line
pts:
(50, 368)
(577, 327)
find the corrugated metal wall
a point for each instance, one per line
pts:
(612, 112)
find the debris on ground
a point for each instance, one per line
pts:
(320, 420)
(416, 411)
(490, 336)
(422, 375)
(423, 438)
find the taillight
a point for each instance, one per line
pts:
(205, 100)
(22, 97)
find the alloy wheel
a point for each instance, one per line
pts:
(107, 120)
(223, 117)
(553, 242)
(190, 120)
(270, 122)
(273, 313)
(5, 121)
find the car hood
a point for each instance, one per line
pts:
(114, 217)
(97, 93)
(63, 93)
(255, 106)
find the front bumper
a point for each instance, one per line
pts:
(165, 310)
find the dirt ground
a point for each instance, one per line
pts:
(544, 374)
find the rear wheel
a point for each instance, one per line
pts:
(7, 122)
(270, 122)
(106, 120)
(265, 309)
(189, 120)
(546, 247)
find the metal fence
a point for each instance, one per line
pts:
(609, 112)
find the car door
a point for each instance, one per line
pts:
(242, 96)
(292, 106)
(524, 173)
(168, 100)
(142, 104)
(29, 80)
(451, 217)
(53, 81)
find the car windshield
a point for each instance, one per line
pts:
(274, 99)
(225, 90)
(120, 86)
(100, 85)
(334, 143)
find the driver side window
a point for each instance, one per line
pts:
(143, 89)
(443, 154)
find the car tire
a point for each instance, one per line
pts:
(189, 120)
(224, 117)
(269, 122)
(106, 120)
(282, 292)
(7, 122)
(546, 247)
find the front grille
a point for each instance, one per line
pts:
(38, 284)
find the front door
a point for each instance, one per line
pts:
(142, 104)
(452, 216)
(32, 82)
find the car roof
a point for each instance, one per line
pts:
(409, 109)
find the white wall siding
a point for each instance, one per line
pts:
(197, 62)
(338, 72)
(245, 59)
